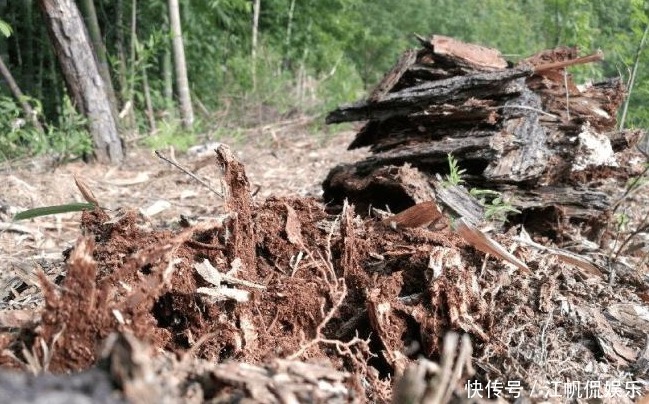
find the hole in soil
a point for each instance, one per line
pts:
(413, 279)
(226, 353)
(542, 222)
(410, 338)
(146, 269)
(286, 326)
(168, 314)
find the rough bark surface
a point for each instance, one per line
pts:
(83, 81)
(527, 131)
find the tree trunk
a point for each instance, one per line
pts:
(182, 84)
(90, 16)
(255, 33)
(28, 71)
(83, 81)
(30, 114)
(168, 79)
(131, 75)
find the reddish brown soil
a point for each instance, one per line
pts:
(351, 294)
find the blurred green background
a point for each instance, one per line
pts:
(311, 56)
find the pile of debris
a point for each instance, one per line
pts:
(526, 131)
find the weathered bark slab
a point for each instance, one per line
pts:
(392, 77)
(522, 154)
(433, 124)
(458, 53)
(416, 99)
(574, 203)
(432, 154)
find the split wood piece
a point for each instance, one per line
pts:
(626, 139)
(239, 201)
(392, 77)
(597, 103)
(416, 99)
(458, 53)
(350, 255)
(574, 203)
(521, 150)
(595, 57)
(568, 257)
(432, 124)
(292, 381)
(546, 56)
(460, 203)
(435, 154)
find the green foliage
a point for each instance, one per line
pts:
(496, 207)
(454, 176)
(21, 138)
(5, 29)
(53, 210)
(312, 55)
(171, 134)
(70, 137)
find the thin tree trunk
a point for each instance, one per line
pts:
(126, 116)
(168, 78)
(18, 95)
(131, 75)
(71, 44)
(255, 32)
(182, 84)
(90, 17)
(27, 72)
(289, 28)
(147, 96)
(634, 71)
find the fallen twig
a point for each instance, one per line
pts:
(174, 163)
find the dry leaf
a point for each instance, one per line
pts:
(483, 243)
(85, 191)
(293, 227)
(415, 216)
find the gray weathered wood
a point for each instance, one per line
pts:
(416, 99)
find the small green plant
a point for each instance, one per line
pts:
(496, 207)
(621, 221)
(70, 137)
(454, 177)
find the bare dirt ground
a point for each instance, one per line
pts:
(276, 299)
(292, 164)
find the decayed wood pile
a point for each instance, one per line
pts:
(525, 130)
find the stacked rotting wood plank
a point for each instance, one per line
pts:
(525, 130)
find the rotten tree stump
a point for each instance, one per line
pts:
(526, 130)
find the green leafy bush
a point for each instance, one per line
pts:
(20, 138)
